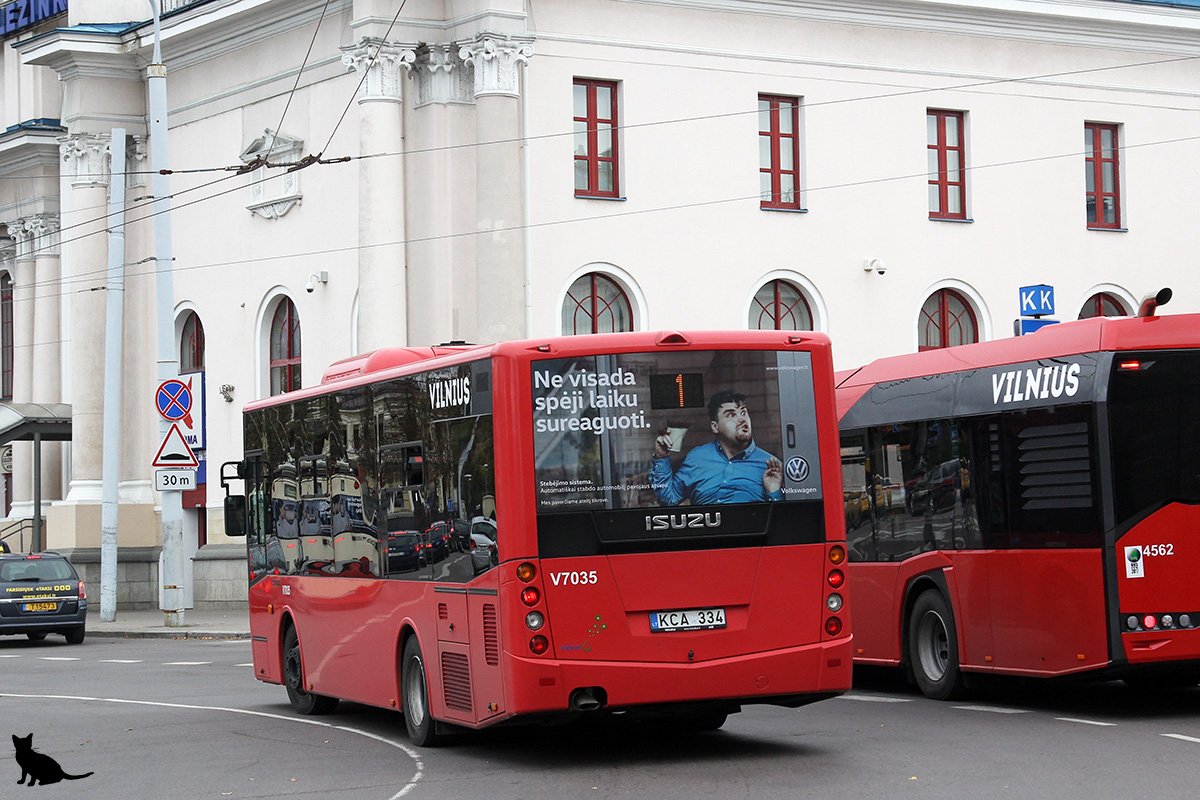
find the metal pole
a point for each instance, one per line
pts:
(168, 366)
(38, 545)
(113, 328)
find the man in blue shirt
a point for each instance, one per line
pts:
(730, 469)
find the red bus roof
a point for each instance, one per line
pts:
(390, 362)
(1097, 334)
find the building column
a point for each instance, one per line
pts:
(499, 192)
(382, 265)
(441, 299)
(86, 163)
(24, 278)
(46, 367)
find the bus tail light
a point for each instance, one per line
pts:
(539, 645)
(837, 554)
(1131, 623)
(534, 620)
(836, 578)
(833, 626)
(530, 596)
(834, 603)
(526, 572)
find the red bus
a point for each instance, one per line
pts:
(659, 513)
(1029, 506)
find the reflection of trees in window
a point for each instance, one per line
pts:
(780, 306)
(946, 321)
(596, 304)
(1102, 304)
(285, 348)
(191, 344)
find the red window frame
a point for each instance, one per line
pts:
(588, 127)
(285, 348)
(945, 322)
(779, 141)
(1102, 176)
(946, 142)
(1103, 304)
(191, 344)
(587, 305)
(777, 310)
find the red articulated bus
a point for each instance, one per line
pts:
(1029, 506)
(639, 522)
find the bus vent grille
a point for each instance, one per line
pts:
(491, 635)
(456, 682)
(443, 612)
(1055, 466)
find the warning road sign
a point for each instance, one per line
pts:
(174, 451)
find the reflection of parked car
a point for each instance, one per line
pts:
(935, 490)
(436, 544)
(404, 551)
(483, 553)
(42, 594)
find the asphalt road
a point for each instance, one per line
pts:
(156, 718)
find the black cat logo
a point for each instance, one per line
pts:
(40, 768)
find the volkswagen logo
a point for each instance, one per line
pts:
(797, 469)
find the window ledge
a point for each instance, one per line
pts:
(598, 197)
(784, 210)
(1107, 230)
(951, 219)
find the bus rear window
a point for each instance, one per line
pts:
(729, 433)
(1155, 431)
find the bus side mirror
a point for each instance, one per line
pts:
(235, 515)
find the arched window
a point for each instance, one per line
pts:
(780, 306)
(596, 304)
(191, 344)
(946, 320)
(285, 348)
(1103, 304)
(6, 336)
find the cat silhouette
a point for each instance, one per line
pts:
(40, 768)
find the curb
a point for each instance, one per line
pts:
(166, 634)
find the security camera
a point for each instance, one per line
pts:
(310, 287)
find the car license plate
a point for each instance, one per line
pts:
(695, 619)
(41, 606)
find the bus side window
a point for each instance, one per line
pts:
(856, 495)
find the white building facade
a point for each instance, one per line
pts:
(353, 174)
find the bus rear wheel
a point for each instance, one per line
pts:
(414, 697)
(933, 648)
(302, 700)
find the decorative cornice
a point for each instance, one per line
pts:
(85, 158)
(441, 75)
(495, 60)
(35, 235)
(273, 196)
(382, 62)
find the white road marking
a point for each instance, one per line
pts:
(1181, 736)
(251, 664)
(120, 661)
(1086, 721)
(58, 658)
(186, 663)
(874, 698)
(14, 655)
(994, 709)
(398, 745)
